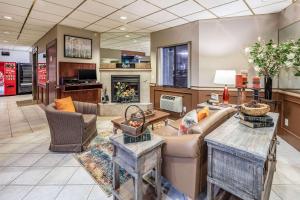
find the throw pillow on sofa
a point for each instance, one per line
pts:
(65, 104)
(203, 113)
(187, 122)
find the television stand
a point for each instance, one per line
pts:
(84, 92)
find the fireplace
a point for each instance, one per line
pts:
(131, 82)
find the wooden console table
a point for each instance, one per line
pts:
(242, 160)
(84, 92)
(137, 159)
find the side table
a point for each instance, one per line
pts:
(137, 159)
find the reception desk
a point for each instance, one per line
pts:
(84, 92)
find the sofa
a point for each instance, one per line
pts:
(72, 131)
(184, 162)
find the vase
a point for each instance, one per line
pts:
(268, 87)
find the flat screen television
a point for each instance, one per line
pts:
(87, 74)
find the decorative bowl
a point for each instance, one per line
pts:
(255, 109)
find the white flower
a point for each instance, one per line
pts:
(291, 56)
(250, 60)
(274, 45)
(259, 38)
(247, 50)
(256, 68)
(288, 64)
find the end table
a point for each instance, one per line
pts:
(137, 159)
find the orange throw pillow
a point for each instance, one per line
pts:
(203, 113)
(65, 104)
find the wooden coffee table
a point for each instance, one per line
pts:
(157, 117)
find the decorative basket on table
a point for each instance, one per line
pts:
(255, 109)
(135, 128)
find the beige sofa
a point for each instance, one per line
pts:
(185, 157)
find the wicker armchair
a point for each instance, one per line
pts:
(72, 132)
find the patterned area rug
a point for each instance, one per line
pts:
(97, 161)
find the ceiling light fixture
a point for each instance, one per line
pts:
(122, 28)
(127, 36)
(6, 32)
(5, 41)
(7, 17)
(134, 41)
(123, 17)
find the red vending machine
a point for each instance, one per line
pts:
(8, 75)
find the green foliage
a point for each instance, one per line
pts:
(268, 58)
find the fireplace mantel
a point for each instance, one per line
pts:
(124, 70)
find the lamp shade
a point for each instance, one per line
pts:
(225, 77)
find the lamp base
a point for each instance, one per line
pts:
(225, 95)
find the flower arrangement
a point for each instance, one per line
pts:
(124, 93)
(290, 51)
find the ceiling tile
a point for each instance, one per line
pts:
(175, 22)
(274, 8)
(141, 8)
(125, 28)
(42, 15)
(239, 14)
(67, 3)
(37, 27)
(116, 3)
(157, 27)
(260, 3)
(185, 8)
(39, 22)
(143, 23)
(12, 9)
(97, 28)
(51, 8)
(116, 16)
(15, 18)
(230, 8)
(74, 23)
(96, 8)
(10, 24)
(109, 23)
(83, 16)
(214, 3)
(161, 16)
(21, 3)
(164, 3)
(200, 15)
(10, 28)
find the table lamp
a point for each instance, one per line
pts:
(225, 77)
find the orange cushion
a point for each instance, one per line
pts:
(203, 113)
(65, 104)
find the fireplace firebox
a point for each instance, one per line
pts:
(131, 82)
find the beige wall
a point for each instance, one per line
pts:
(177, 35)
(48, 37)
(66, 30)
(289, 30)
(222, 44)
(110, 53)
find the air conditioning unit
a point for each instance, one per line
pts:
(171, 103)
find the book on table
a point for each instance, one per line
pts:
(265, 118)
(257, 124)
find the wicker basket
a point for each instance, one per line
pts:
(262, 110)
(130, 130)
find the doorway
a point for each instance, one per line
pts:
(51, 62)
(34, 74)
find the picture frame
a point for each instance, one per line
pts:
(77, 47)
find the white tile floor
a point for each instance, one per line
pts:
(29, 171)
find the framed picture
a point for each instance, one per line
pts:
(77, 47)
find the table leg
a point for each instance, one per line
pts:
(158, 176)
(152, 126)
(210, 191)
(116, 177)
(138, 187)
(115, 130)
(166, 122)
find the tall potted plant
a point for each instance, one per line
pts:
(265, 56)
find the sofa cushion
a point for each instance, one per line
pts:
(89, 119)
(189, 120)
(65, 104)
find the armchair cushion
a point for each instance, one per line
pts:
(65, 104)
(89, 119)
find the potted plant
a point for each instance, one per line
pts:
(265, 56)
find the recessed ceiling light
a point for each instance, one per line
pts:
(7, 17)
(123, 17)
(127, 36)
(5, 41)
(122, 28)
(134, 41)
(6, 32)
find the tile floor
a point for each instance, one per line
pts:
(29, 171)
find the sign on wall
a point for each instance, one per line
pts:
(42, 73)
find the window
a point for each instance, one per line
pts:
(175, 66)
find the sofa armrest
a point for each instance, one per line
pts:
(186, 146)
(85, 108)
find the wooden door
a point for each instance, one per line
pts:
(51, 61)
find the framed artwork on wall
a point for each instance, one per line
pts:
(77, 47)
